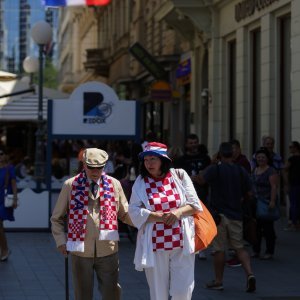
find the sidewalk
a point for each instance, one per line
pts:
(35, 271)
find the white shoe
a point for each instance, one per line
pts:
(5, 257)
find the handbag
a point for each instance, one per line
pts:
(8, 198)
(264, 212)
(205, 226)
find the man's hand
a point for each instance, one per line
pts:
(63, 250)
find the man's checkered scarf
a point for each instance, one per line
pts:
(78, 212)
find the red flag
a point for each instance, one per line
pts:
(98, 2)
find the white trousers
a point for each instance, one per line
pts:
(172, 274)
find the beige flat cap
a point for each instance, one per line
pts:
(95, 157)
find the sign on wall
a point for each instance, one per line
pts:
(94, 109)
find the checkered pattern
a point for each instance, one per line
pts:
(163, 197)
(108, 206)
(78, 208)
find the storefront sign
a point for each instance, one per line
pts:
(247, 8)
(93, 109)
(184, 68)
(183, 72)
(148, 61)
(160, 90)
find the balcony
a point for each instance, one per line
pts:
(97, 61)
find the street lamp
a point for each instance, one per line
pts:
(30, 66)
(41, 33)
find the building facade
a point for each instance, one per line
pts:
(1, 35)
(252, 49)
(95, 45)
(233, 65)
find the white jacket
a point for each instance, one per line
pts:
(139, 210)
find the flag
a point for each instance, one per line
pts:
(56, 3)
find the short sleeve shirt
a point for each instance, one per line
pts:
(229, 182)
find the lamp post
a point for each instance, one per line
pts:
(41, 34)
(31, 65)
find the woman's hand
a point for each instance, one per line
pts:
(155, 217)
(172, 217)
(272, 204)
(15, 203)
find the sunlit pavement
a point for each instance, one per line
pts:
(35, 271)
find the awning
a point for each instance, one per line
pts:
(6, 76)
(24, 107)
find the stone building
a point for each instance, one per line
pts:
(233, 65)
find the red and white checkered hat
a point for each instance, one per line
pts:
(156, 149)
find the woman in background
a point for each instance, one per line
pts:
(7, 185)
(265, 184)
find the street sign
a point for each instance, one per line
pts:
(148, 61)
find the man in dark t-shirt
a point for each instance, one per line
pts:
(194, 160)
(229, 183)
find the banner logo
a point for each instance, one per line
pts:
(95, 110)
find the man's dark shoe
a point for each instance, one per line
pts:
(251, 284)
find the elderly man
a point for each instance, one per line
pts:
(93, 202)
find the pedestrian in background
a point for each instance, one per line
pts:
(229, 184)
(268, 142)
(265, 185)
(162, 203)
(292, 185)
(239, 158)
(92, 201)
(8, 185)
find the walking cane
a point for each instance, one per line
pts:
(67, 276)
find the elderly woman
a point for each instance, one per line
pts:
(265, 185)
(161, 207)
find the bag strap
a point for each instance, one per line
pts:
(179, 174)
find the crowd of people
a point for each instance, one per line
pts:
(156, 190)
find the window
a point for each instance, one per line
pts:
(255, 86)
(284, 83)
(232, 88)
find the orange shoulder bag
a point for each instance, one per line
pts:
(205, 226)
